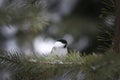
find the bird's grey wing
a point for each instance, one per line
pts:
(52, 51)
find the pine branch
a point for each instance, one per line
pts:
(50, 67)
(6, 59)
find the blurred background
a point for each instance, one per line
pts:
(32, 26)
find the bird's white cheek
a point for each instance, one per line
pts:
(59, 44)
(59, 51)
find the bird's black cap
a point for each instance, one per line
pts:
(63, 41)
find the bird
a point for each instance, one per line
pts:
(60, 48)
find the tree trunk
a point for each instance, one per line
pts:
(116, 40)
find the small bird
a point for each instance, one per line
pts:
(60, 48)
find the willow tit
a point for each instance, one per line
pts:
(60, 48)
